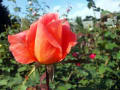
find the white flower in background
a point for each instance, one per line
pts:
(90, 29)
(34, 13)
(30, 2)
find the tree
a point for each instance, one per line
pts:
(4, 17)
(91, 4)
(79, 21)
(79, 24)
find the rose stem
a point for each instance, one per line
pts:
(47, 78)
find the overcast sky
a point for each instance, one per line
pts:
(79, 7)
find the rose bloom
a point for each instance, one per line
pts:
(47, 41)
(92, 56)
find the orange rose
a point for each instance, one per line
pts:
(48, 41)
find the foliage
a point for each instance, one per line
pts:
(102, 72)
(91, 4)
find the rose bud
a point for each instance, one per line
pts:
(75, 54)
(92, 56)
(78, 64)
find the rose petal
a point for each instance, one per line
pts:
(47, 18)
(55, 29)
(30, 37)
(47, 50)
(68, 39)
(19, 49)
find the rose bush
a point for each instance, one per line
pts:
(48, 41)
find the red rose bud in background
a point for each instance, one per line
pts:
(92, 56)
(75, 54)
(78, 64)
(47, 41)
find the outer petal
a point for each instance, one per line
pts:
(19, 49)
(47, 49)
(55, 29)
(30, 37)
(68, 39)
(47, 18)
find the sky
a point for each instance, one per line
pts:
(79, 7)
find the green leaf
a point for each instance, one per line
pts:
(86, 88)
(110, 34)
(1, 60)
(23, 87)
(118, 55)
(102, 69)
(107, 34)
(22, 69)
(20, 87)
(84, 82)
(61, 88)
(2, 50)
(17, 9)
(68, 86)
(110, 46)
(34, 78)
(3, 82)
(109, 83)
(96, 51)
